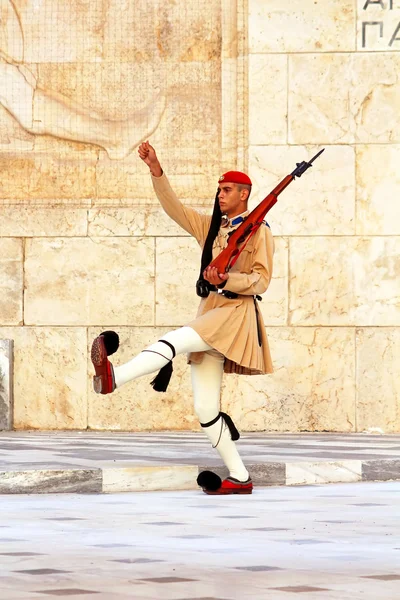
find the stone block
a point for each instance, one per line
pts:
(378, 26)
(312, 387)
(45, 481)
(378, 184)
(177, 270)
(148, 32)
(268, 119)
(59, 32)
(136, 221)
(82, 281)
(6, 384)
(11, 277)
(366, 113)
(344, 281)
(50, 377)
(378, 384)
(275, 301)
(381, 470)
(323, 472)
(42, 178)
(322, 202)
(24, 221)
(304, 26)
(144, 478)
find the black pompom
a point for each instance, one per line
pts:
(209, 481)
(111, 341)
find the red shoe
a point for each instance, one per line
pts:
(103, 381)
(231, 486)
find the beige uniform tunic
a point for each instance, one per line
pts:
(228, 325)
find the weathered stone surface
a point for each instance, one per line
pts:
(6, 384)
(136, 221)
(11, 277)
(381, 470)
(45, 179)
(367, 113)
(304, 26)
(377, 26)
(323, 472)
(24, 221)
(275, 301)
(377, 211)
(59, 32)
(312, 388)
(83, 281)
(268, 120)
(322, 202)
(149, 32)
(377, 380)
(78, 481)
(138, 478)
(177, 270)
(345, 281)
(50, 377)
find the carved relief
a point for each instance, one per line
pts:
(40, 111)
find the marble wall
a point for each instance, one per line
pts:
(84, 245)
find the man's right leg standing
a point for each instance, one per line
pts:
(206, 383)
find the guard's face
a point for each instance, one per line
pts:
(232, 201)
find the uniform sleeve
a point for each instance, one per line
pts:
(258, 280)
(189, 219)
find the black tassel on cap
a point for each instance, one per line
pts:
(111, 341)
(162, 379)
(235, 435)
(209, 481)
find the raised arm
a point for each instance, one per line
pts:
(189, 219)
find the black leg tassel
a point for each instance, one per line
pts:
(235, 435)
(161, 381)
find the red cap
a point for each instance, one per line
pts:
(235, 177)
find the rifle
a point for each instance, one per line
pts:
(227, 258)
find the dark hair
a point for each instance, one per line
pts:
(215, 224)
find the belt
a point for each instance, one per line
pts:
(231, 295)
(226, 293)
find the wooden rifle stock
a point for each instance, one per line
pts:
(227, 258)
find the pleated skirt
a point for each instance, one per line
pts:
(230, 327)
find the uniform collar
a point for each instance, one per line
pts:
(225, 222)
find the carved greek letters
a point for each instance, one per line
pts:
(383, 29)
(394, 36)
(371, 24)
(380, 2)
(368, 2)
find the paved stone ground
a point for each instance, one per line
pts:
(113, 462)
(337, 542)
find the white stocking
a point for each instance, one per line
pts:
(206, 382)
(159, 354)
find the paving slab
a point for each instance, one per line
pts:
(337, 542)
(89, 462)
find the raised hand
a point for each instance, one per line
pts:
(149, 156)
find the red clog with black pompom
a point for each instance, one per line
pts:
(213, 486)
(103, 381)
